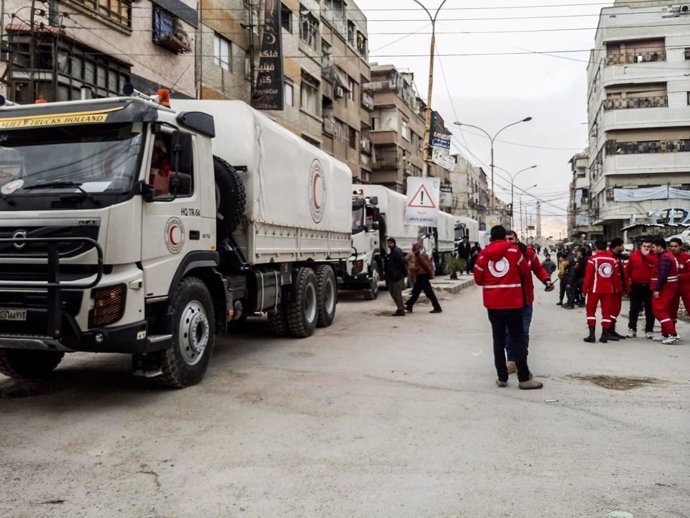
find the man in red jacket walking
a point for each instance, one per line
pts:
(540, 273)
(601, 281)
(675, 246)
(616, 248)
(638, 274)
(664, 289)
(501, 270)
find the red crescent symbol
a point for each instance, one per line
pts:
(317, 175)
(170, 235)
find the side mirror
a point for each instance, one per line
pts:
(146, 191)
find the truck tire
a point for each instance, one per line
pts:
(373, 292)
(302, 306)
(231, 198)
(17, 363)
(277, 320)
(327, 293)
(185, 363)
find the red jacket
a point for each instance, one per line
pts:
(639, 268)
(502, 272)
(601, 274)
(665, 272)
(538, 270)
(683, 269)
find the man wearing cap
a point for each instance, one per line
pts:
(424, 272)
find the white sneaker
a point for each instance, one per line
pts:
(632, 333)
(670, 340)
(649, 335)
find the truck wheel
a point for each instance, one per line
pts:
(373, 290)
(302, 306)
(17, 363)
(327, 295)
(277, 320)
(185, 363)
(231, 197)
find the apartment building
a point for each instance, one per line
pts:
(325, 63)
(639, 113)
(470, 191)
(579, 206)
(76, 49)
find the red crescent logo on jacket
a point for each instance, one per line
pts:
(605, 270)
(499, 268)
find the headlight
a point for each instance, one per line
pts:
(109, 305)
(357, 266)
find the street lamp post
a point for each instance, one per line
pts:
(512, 187)
(522, 226)
(427, 119)
(492, 140)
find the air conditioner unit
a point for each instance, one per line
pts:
(338, 91)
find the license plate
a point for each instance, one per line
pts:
(12, 314)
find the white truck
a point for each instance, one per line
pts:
(377, 213)
(439, 241)
(109, 245)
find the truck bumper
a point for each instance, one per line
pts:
(130, 338)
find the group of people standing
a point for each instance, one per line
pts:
(656, 277)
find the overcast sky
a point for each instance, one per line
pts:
(498, 63)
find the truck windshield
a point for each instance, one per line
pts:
(88, 159)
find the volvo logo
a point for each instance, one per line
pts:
(19, 234)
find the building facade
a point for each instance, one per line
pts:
(470, 191)
(579, 206)
(639, 113)
(84, 49)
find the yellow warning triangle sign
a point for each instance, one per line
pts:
(422, 199)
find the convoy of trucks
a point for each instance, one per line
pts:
(132, 226)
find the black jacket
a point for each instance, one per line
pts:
(396, 265)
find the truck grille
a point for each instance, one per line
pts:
(40, 250)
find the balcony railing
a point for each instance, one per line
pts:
(367, 101)
(387, 162)
(379, 86)
(628, 58)
(655, 101)
(613, 147)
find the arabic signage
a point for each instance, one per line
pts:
(446, 196)
(268, 91)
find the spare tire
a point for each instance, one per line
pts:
(231, 198)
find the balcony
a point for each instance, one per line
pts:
(387, 162)
(657, 101)
(650, 162)
(632, 57)
(384, 137)
(380, 86)
(367, 101)
(365, 145)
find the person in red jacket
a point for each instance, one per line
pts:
(616, 248)
(501, 271)
(664, 289)
(638, 276)
(601, 281)
(540, 273)
(675, 246)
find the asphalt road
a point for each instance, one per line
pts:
(374, 416)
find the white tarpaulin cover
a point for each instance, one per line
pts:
(650, 193)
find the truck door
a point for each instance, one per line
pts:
(170, 226)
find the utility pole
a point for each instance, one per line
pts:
(538, 238)
(427, 119)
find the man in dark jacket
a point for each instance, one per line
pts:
(396, 271)
(424, 272)
(465, 253)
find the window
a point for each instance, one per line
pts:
(168, 32)
(222, 54)
(117, 11)
(361, 44)
(352, 137)
(351, 32)
(308, 28)
(286, 18)
(352, 94)
(312, 141)
(309, 94)
(405, 130)
(289, 94)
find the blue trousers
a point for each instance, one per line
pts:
(526, 321)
